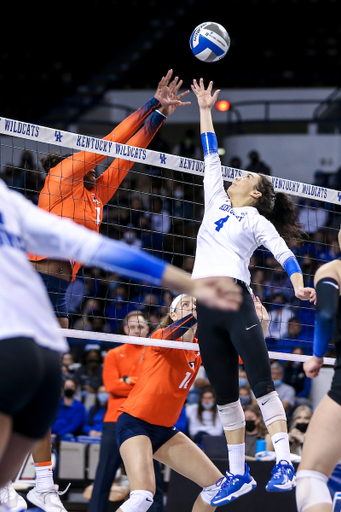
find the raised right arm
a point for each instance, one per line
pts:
(213, 181)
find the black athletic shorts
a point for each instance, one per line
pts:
(30, 385)
(128, 426)
(223, 337)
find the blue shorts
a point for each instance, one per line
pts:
(128, 426)
(56, 289)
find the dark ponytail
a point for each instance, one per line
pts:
(50, 160)
(279, 209)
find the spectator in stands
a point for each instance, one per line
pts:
(254, 428)
(89, 375)
(295, 376)
(33, 177)
(96, 321)
(130, 237)
(323, 250)
(298, 427)
(154, 320)
(119, 307)
(13, 177)
(299, 424)
(93, 425)
(285, 392)
(277, 283)
(279, 316)
(159, 218)
(69, 364)
(296, 336)
(256, 165)
(71, 414)
(188, 264)
(242, 377)
(179, 208)
(245, 395)
(235, 162)
(166, 301)
(258, 282)
(150, 304)
(83, 323)
(335, 248)
(136, 210)
(203, 418)
(312, 215)
(188, 147)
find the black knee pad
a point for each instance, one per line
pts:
(263, 388)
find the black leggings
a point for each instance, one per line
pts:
(223, 336)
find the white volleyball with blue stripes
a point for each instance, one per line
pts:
(209, 41)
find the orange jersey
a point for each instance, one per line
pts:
(162, 388)
(64, 193)
(120, 361)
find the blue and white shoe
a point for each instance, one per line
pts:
(233, 486)
(283, 477)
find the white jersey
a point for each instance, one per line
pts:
(228, 236)
(25, 308)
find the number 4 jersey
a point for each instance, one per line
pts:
(163, 384)
(228, 236)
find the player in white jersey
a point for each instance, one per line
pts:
(234, 225)
(31, 341)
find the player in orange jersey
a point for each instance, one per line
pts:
(121, 369)
(72, 190)
(145, 426)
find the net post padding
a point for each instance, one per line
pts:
(180, 345)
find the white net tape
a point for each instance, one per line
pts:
(182, 345)
(78, 142)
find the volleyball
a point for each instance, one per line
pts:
(209, 42)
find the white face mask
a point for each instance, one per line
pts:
(103, 397)
(178, 194)
(207, 406)
(129, 236)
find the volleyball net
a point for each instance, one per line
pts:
(158, 207)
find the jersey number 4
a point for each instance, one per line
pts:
(220, 223)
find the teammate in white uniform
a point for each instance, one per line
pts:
(234, 225)
(31, 341)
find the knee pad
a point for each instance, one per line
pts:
(263, 388)
(271, 408)
(311, 489)
(231, 416)
(208, 493)
(139, 501)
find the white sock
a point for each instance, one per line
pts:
(44, 476)
(236, 458)
(280, 442)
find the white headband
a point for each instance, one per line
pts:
(176, 302)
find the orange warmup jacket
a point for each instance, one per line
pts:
(120, 361)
